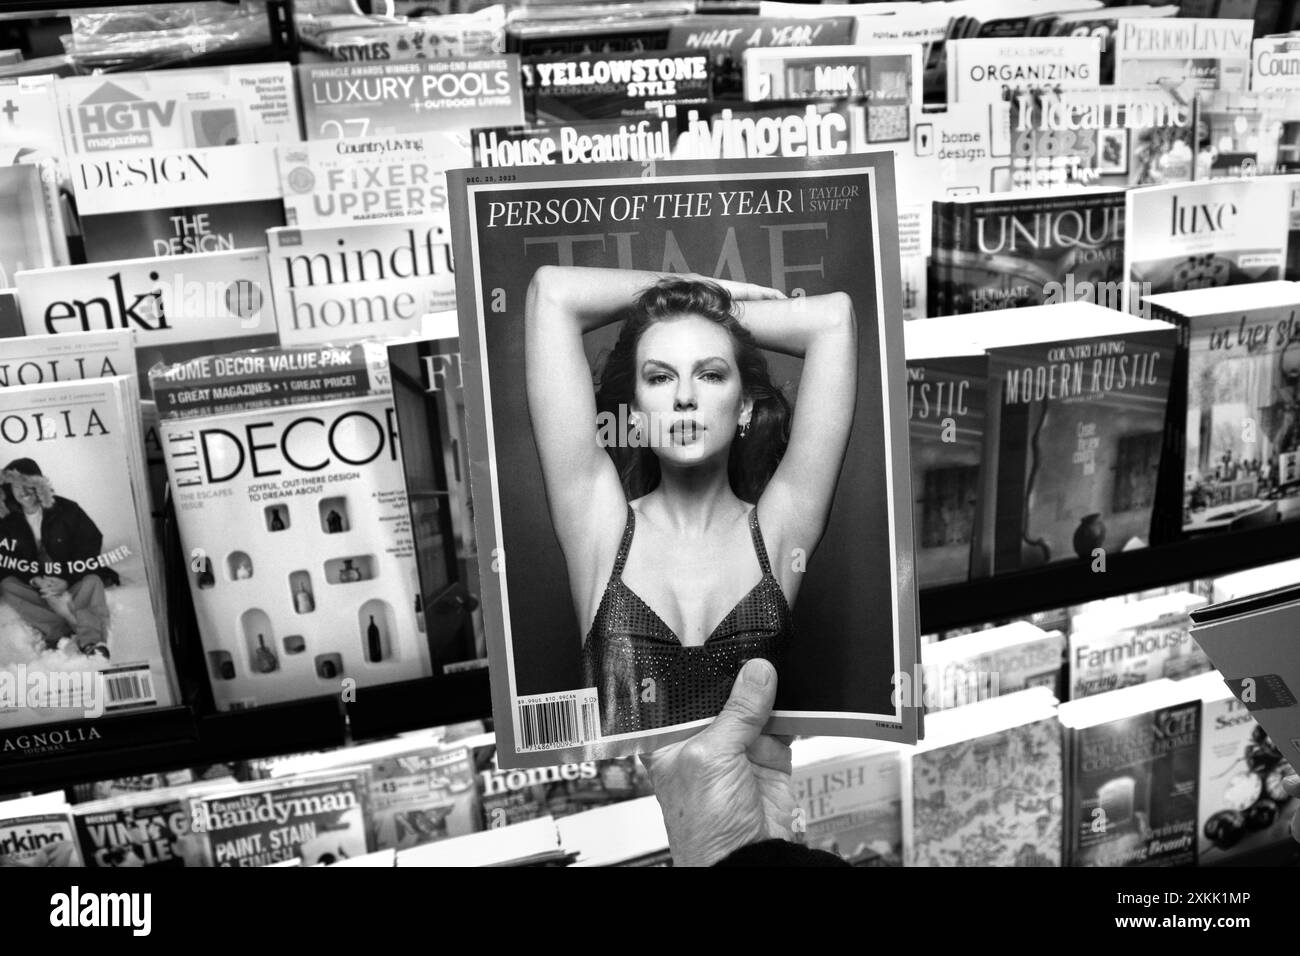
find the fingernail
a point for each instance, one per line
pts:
(758, 672)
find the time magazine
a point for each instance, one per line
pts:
(687, 440)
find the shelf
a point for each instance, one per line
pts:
(168, 739)
(313, 724)
(174, 739)
(45, 757)
(1013, 595)
(428, 702)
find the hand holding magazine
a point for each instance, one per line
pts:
(652, 507)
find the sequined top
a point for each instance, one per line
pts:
(629, 643)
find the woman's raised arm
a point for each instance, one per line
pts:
(822, 331)
(583, 492)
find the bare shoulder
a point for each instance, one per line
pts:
(590, 558)
(786, 556)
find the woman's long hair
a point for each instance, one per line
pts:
(753, 459)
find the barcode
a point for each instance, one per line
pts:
(556, 721)
(125, 689)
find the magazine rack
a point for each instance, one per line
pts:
(1074, 582)
(194, 735)
(180, 737)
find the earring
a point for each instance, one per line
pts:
(744, 428)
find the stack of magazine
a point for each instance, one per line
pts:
(82, 608)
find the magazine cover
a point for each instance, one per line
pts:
(725, 39)
(1104, 24)
(347, 101)
(25, 242)
(1275, 64)
(913, 248)
(352, 38)
(316, 595)
(37, 841)
(319, 819)
(1197, 235)
(429, 397)
(364, 280)
(987, 69)
(1241, 459)
(583, 141)
(1189, 52)
(946, 408)
(11, 320)
(1132, 789)
(42, 359)
(1009, 251)
(1243, 804)
(150, 829)
(37, 359)
(507, 797)
(850, 799)
(29, 124)
(961, 152)
(724, 34)
(423, 795)
(129, 786)
(981, 795)
(176, 306)
(80, 624)
(635, 28)
(888, 76)
(267, 378)
(600, 644)
(605, 86)
(1101, 137)
(1074, 432)
(1136, 643)
(723, 130)
(1242, 134)
(925, 24)
(1001, 660)
(336, 182)
(170, 202)
(422, 789)
(178, 109)
(30, 135)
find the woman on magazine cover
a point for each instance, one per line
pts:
(40, 526)
(686, 525)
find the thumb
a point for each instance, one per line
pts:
(1292, 785)
(742, 718)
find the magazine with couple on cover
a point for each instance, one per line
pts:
(685, 395)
